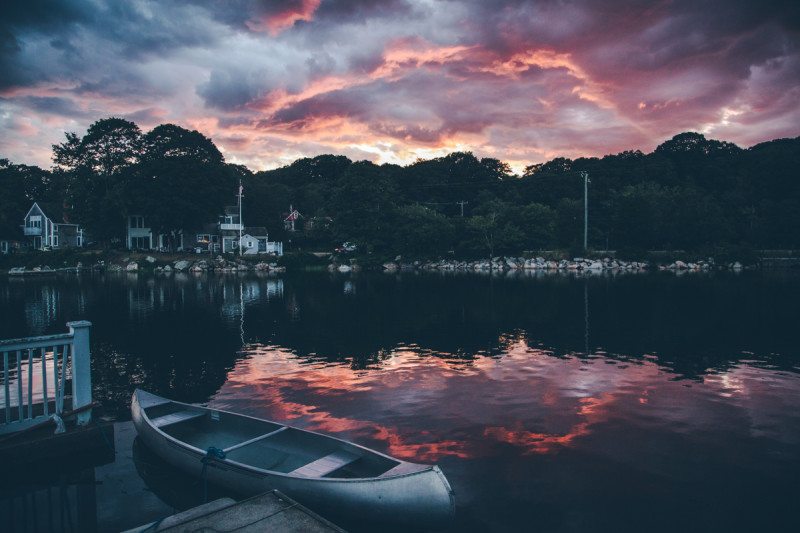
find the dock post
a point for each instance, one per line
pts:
(81, 369)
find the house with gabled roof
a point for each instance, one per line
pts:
(230, 236)
(255, 240)
(44, 233)
(289, 223)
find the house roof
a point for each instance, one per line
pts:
(255, 231)
(47, 209)
(294, 215)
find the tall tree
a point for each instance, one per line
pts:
(181, 182)
(96, 167)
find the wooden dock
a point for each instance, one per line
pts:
(271, 511)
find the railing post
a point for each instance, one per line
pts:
(81, 369)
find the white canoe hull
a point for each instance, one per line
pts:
(417, 496)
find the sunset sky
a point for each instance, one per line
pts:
(395, 80)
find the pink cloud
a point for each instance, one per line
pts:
(277, 22)
(394, 81)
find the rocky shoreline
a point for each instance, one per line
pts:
(503, 264)
(218, 265)
(222, 265)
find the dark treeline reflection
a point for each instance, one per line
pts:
(182, 334)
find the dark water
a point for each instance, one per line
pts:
(639, 402)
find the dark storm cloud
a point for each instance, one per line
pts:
(362, 9)
(52, 105)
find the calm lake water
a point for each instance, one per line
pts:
(646, 402)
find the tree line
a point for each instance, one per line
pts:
(690, 193)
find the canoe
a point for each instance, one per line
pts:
(331, 476)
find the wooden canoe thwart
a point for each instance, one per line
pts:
(329, 475)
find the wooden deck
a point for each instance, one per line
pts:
(271, 511)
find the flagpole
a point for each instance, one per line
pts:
(240, 218)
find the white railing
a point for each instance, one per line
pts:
(28, 397)
(233, 227)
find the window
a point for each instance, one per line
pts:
(203, 238)
(136, 222)
(55, 241)
(249, 244)
(140, 243)
(35, 221)
(215, 238)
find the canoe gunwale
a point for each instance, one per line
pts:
(423, 468)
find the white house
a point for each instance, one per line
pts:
(255, 240)
(139, 235)
(43, 233)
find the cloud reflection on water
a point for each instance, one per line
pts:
(421, 407)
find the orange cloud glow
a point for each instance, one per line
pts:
(592, 410)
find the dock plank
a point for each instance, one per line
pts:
(271, 511)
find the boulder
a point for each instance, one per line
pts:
(344, 268)
(390, 267)
(132, 267)
(150, 259)
(181, 265)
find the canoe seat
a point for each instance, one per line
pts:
(173, 418)
(326, 465)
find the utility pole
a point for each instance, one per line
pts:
(462, 203)
(585, 176)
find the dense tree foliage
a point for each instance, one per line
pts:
(690, 193)
(181, 181)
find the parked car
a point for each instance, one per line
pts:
(346, 248)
